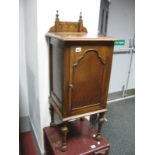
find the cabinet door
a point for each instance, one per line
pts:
(89, 77)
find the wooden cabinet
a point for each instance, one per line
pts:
(80, 66)
(80, 74)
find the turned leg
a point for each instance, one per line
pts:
(52, 115)
(100, 123)
(64, 131)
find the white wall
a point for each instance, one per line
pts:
(31, 55)
(131, 83)
(23, 96)
(121, 25)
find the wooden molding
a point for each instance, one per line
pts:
(83, 115)
(89, 50)
(92, 105)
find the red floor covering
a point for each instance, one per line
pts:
(27, 144)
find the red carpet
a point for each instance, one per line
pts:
(27, 144)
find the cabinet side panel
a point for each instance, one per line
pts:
(58, 57)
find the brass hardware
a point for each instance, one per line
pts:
(71, 86)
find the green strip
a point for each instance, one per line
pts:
(120, 42)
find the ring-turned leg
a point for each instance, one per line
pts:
(64, 131)
(52, 115)
(100, 123)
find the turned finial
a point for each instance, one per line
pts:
(80, 16)
(57, 15)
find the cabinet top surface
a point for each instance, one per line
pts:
(70, 36)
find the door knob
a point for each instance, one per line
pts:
(71, 86)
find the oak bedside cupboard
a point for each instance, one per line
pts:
(79, 66)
